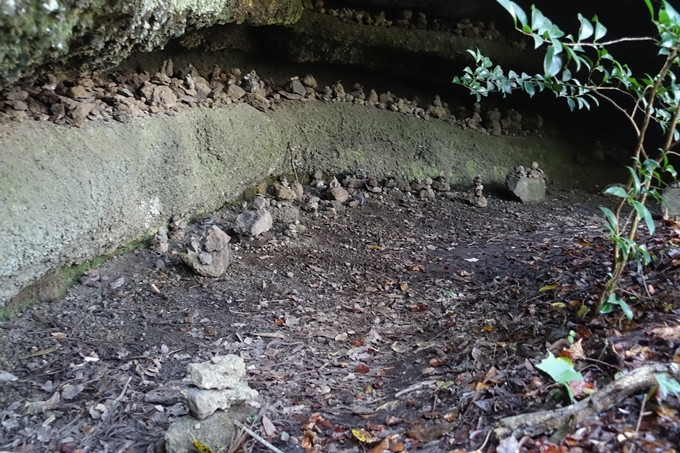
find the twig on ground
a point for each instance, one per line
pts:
(414, 387)
(256, 437)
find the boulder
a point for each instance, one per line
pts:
(528, 190)
(215, 431)
(217, 240)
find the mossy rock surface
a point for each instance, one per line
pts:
(94, 34)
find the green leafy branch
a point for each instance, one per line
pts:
(581, 70)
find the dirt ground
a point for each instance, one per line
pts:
(452, 303)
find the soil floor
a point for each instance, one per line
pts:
(451, 305)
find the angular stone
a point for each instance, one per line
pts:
(284, 193)
(216, 240)
(16, 95)
(298, 189)
(202, 87)
(215, 431)
(222, 372)
(205, 258)
(441, 186)
(164, 96)
(78, 92)
(218, 266)
(337, 194)
(253, 223)
(528, 190)
(204, 403)
(297, 87)
(257, 101)
(235, 92)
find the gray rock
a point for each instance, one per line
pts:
(204, 403)
(441, 186)
(253, 222)
(217, 266)
(671, 202)
(205, 258)
(297, 87)
(478, 201)
(215, 431)
(285, 213)
(222, 372)
(235, 92)
(216, 240)
(258, 101)
(339, 194)
(298, 189)
(528, 190)
(284, 193)
(260, 202)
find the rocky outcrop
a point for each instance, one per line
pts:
(93, 34)
(105, 184)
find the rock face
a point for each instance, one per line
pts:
(104, 33)
(169, 172)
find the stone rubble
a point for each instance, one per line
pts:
(127, 95)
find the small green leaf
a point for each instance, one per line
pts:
(561, 370)
(600, 29)
(667, 385)
(616, 191)
(611, 218)
(673, 16)
(644, 213)
(552, 64)
(571, 103)
(529, 88)
(515, 11)
(651, 9)
(626, 309)
(586, 30)
(537, 19)
(538, 41)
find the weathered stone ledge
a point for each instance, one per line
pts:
(68, 195)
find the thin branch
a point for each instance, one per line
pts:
(668, 144)
(620, 109)
(598, 44)
(613, 41)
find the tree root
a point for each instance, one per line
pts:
(541, 422)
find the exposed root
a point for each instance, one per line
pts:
(541, 422)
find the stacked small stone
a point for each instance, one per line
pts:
(477, 197)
